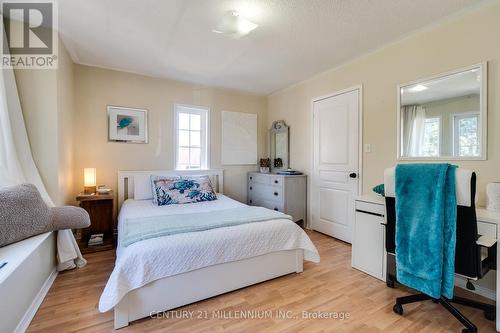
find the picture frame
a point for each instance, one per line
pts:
(128, 125)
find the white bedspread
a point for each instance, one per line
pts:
(152, 259)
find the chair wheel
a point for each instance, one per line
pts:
(398, 308)
(490, 315)
(390, 283)
(469, 285)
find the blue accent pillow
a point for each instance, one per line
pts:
(169, 191)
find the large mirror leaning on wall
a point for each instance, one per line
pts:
(278, 138)
(444, 117)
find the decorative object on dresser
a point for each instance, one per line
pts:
(265, 165)
(100, 209)
(493, 196)
(283, 193)
(279, 145)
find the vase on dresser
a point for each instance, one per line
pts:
(283, 193)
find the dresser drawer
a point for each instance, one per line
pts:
(265, 192)
(276, 180)
(259, 179)
(277, 206)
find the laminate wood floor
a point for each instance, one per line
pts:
(330, 288)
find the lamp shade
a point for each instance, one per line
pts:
(89, 177)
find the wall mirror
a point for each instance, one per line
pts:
(444, 117)
(279, 145)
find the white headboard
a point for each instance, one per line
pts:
(126, 180)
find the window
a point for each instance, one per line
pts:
(466, 140)
(431, 140)
(191, 137)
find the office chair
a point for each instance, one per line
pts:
(475, 254)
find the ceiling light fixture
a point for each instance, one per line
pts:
(418, 88)
(234, 25)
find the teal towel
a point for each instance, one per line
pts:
(426, 215)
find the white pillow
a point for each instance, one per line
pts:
(142, 187)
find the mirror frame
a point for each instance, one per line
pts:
(283, 128)
(483, 111)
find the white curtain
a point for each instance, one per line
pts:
(17, 165)
(413, 130)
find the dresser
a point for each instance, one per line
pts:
(286, 194)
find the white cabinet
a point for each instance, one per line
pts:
(287, 194)
(368, 246)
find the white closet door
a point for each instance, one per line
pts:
(335, 164)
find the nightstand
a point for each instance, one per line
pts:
(100, 209)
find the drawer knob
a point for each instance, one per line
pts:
(250, 188)
(276, 193)
(276, 182)
(250, 201)
(276, 209)
(251, 178)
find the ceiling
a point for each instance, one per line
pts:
(295, 38)
(456, 85)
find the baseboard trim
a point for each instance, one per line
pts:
(30, 313)
(480, 290)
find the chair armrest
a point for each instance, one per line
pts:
(486, 241)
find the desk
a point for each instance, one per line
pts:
(368, 248)
(493, 218)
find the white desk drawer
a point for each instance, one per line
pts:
(370, 207)
(487, 229)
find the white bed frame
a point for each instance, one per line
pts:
(182, 289)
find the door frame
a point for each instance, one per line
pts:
(358, 87)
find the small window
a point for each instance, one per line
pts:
(191, 137)
(466, 140)
(431, 144)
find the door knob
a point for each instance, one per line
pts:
(353, 175)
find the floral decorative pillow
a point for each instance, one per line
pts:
(169, 191)
(155, 179)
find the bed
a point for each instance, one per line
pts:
(167, 272)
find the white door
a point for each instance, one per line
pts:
(335, 174)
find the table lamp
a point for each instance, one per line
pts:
(89, 180)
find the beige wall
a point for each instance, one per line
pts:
(37, 93)
(462, 42)
(96, 88)
(66, 113)
(47, 102)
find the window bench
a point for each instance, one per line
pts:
(26, 279)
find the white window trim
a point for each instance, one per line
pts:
(440, 136)
(455, 135)
(202, 110)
